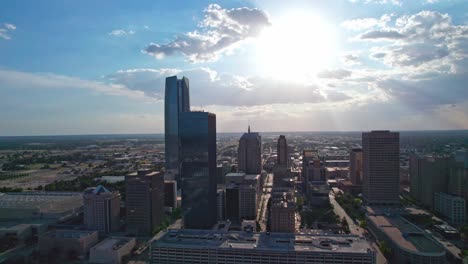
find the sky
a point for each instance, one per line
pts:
(99, 67)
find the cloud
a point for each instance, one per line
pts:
(220, 31)
(427, 94)
(366, 23)
(428, 41)
(121, 32)
(393, 2)
(6, 29)
(209, 87)
(9, 26)
(27, 80)
(378, 34)
(350, 59)
(334, 74)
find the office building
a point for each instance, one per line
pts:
(101, 209)
(232, 203)
(170, 193)
(220, 204)
(307, 157)
(197, 132)
(428, 175)
(381, 167)
(211, 246)
(408, 243)
(220, 174)
(250, 153)
(111, 250)
(458, 174)
(282, 151)
(355, 166)
(66, 242)
(283, 212)
(176, 101)
(144, 201)
(452, 207)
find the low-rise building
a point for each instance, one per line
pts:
(45, 205)
(67, 242)
(111, 250)
(408, 243)
(208, 246)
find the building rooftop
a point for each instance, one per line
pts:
(65, 233)
(44, 202)
(188, 238)
(405, 234)
(113, 243)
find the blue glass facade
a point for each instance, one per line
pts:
(176, 101)
(197, 131)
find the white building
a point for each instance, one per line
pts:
(453, 207)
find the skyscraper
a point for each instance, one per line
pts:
(144, 201)
(176, 101)
(250, 153)
(282, 151)
(197, 132)
(428, 175)
(101, 209)
(381, 167)
(355, 166)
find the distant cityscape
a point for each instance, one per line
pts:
(193, 195)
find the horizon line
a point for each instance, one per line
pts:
(237, 132)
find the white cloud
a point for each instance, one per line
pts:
(350, 59)
(393, 2)
(220, 31)
(6, 30)
(366, 23)
(334, 74)
(426, 41)
(212, 88)
(27, 80)
(121, 32)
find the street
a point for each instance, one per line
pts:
(355, 229)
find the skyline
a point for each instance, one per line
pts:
(370, 65)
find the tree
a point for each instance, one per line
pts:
(385, 249)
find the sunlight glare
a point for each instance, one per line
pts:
(297, 45)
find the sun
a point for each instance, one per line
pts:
(297, 45)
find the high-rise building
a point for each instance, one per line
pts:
(453, 207)
(355, 166)
(428, 175)
(381, 167)
(197, 133)
(170, 193)
(282, 151)
(307, 157)
(232, 202)
(144, 201)
(250, 153)
(101, 209)
(220, 204)
(283, 212)
(176, 101)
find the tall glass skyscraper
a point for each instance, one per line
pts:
(197, 132)
(176, 101)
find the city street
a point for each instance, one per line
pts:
(355, 229)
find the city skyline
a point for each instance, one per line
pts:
(368, 65)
